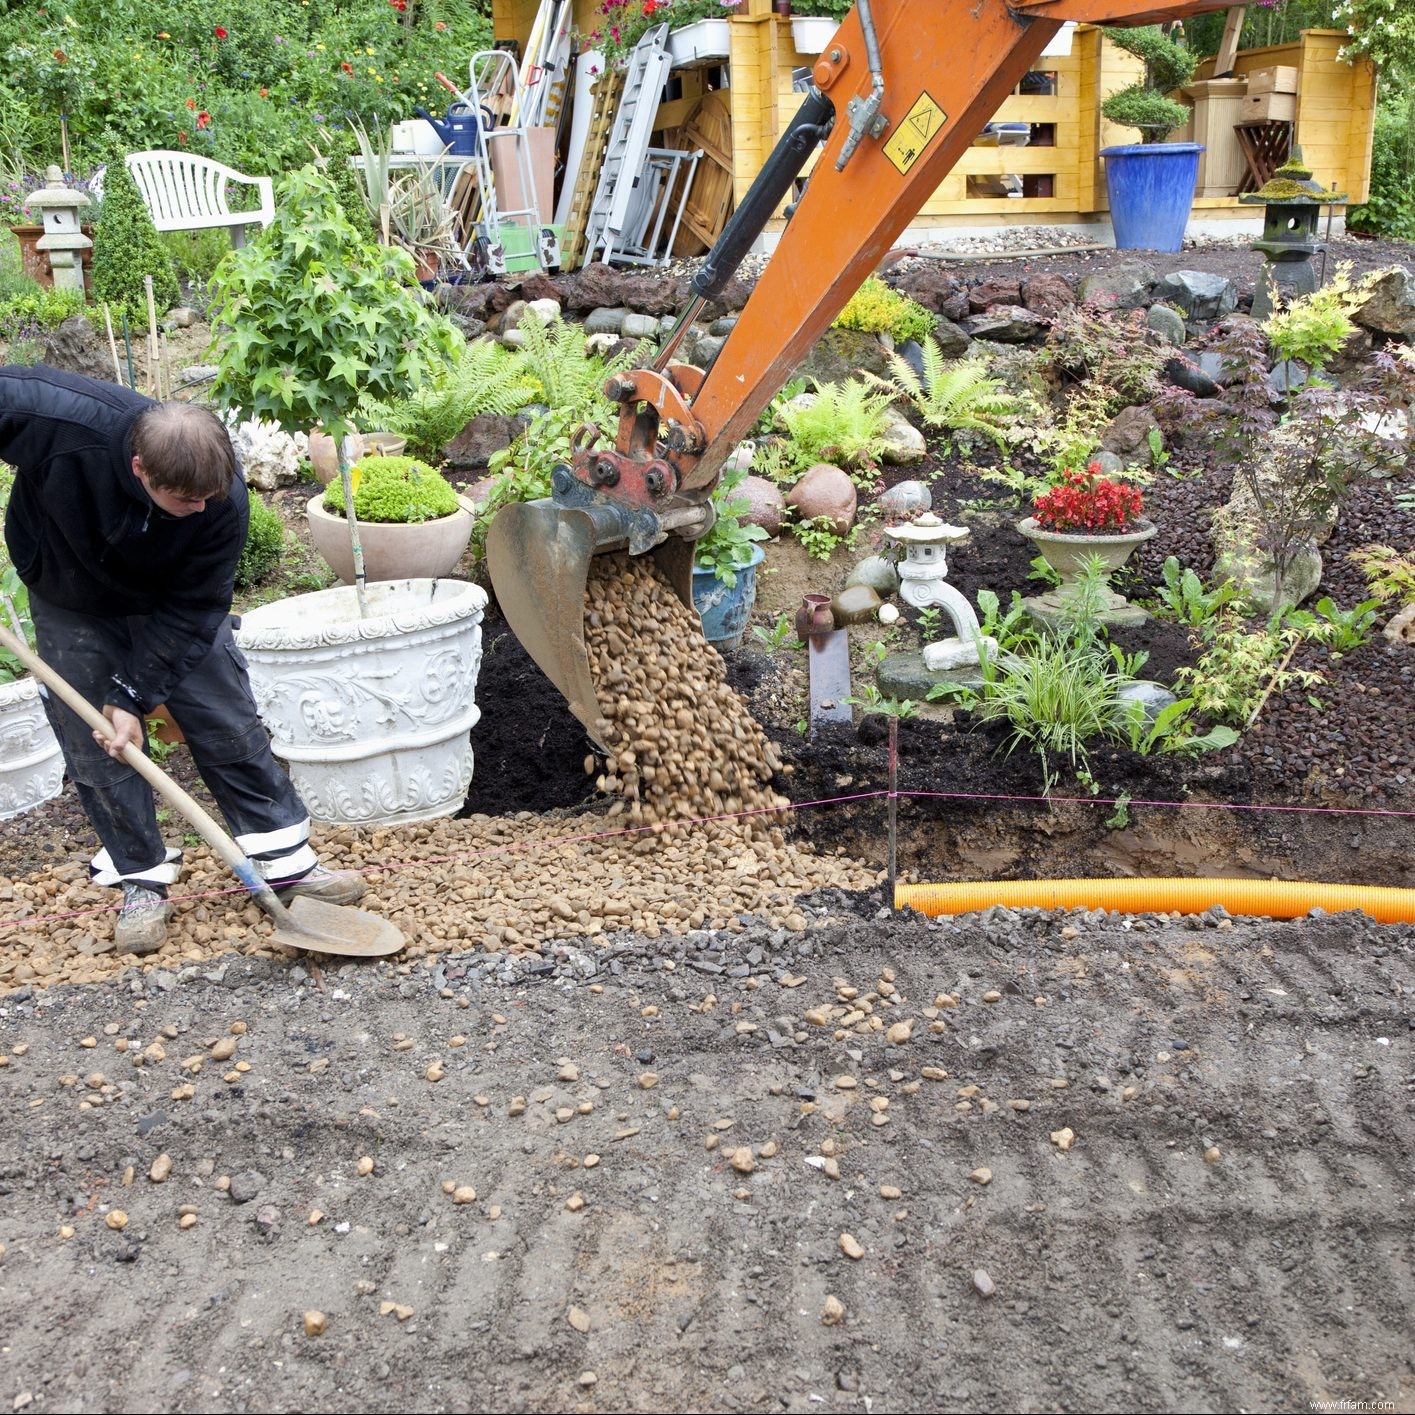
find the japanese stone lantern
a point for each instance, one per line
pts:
(62, 240)
(921, 583)
(1293, 201)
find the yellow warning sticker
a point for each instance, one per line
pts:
(921, 124)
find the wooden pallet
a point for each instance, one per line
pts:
(607, 90)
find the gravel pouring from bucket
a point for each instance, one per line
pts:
(309, 924)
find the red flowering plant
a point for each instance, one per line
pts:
(620, 24)
(1086, 503)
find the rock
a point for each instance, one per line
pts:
(833, 1311)
(1064, 1138)
(537, 288)
(899, 1033)
(547, 311)
(1353, 356)
(464, 1194)
(224, 1049)
(608, 320)
(911, 351)
(878, 573)
(705, 348)
(929, 285)
(1400, 628)
(1047, 295)
(1201, 374)
(1110, 465)
(742, 1160)
(1128, 435)
(508, 319)
(1152, 697)
(902, 443)
(1006, 324)
(161, 1169)
(1287, 376)
(1126, 285)
(947, 654)
(1238, 532)
(364, 1167)
(180, 317)
(579, 1320)
(483, 435)
(988, 293)
(1213, 1155)
(1167, 323)
(116, 1219)
(765, 503)
(854, 605)
(1389, 308)
(246, 1186)
(841, 354)
(653, 294)
(575, 1202)
(825, 491)
(1204, 298)
(315, 1323)
(639, 326)
(905, 676)
(593, 287)
(851, 1247)
(76, 348)
(981, 1175)
(983, 1283)
(648, 1080)
(952, 339)
(905, 498)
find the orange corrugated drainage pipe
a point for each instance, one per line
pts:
(1275, 898)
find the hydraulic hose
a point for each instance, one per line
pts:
(1276, 899)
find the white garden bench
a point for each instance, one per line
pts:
(184, 192)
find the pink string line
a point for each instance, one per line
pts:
(688, 821)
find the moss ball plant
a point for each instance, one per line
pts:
(125, 249)
(398, 489)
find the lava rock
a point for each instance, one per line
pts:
(1125, 286)
(1047, 294)
(994, 292)
(592, 287)
(952, 339)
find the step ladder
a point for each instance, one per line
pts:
(651, 202)
(644, 77)
(605, 92)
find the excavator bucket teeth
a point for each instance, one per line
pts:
(539, 556)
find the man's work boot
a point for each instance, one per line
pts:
(142, 922)
(329, 886)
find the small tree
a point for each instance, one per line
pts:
(1145, 104)
(313, 316)
(126, 248)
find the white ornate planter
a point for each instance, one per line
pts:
(811, 33)
(31, 765)
(702, 42)
(372, 715)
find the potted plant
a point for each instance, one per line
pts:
(31, 765)
(1083, 517)
(412, 522)
(697, 30)
(814, 23)
(1151, 182)
(368, 693)
(725, 564)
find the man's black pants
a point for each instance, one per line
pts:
(216, 712)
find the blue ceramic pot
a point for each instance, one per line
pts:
(726, 609)
(1151, 191)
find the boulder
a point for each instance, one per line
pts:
(1128, 435)
(723, 325)
(1168, 324)
(879, 573)
(1126, 285)
(640, 326)
(484, 434)
(75, 347)
(706, 348)
(606, 319)
(905, 676)
(730, 298)
(765, 504)
(854, 605)
(930, 286)
(1204, 298)
(905, 498)
(1199, 374)
(1353, 356)
(479, 491)
(594, 286)
(509, 318)
(988, 293)
(1238, 532)
(952, 340)
(537, 285)
(180, 317)
(1390, 307)
(474, 301)
(1006, 324)
(1110, 464)
(825, 491)
(903, 443)
(653, 294)
(547, 311)
(912, 353)
(1047, 294)
(841, 353)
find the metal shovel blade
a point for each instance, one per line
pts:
(539, 556)
(320, 927)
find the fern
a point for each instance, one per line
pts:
(568, 375)
(956, 394)
(485, 379)
(843, 424)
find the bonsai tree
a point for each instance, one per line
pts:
(313, 316)
(1145, 105)
(126, 248)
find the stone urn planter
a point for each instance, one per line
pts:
(1067, 552)
(392, 550)
(31, 766)
(372, 715)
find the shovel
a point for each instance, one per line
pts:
(309, 924)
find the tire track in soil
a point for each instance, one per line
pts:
(1130, 1274)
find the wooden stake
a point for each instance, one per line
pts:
(113, 344)
(64, 140)
(166, 366)
(1228, 45)
(154, 374)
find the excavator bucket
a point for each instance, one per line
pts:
(539, 554)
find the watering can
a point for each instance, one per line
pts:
(460, 130)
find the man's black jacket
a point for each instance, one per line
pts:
(84, 535)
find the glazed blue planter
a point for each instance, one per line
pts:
(1151, 191)
(726, 609)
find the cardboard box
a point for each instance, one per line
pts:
(1280, 78)
(506, 170)
(1269, 108)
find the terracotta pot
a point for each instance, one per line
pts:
(814, 616)
(326, 464)
(33, 260)
(427, 550)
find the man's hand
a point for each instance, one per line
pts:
(129, 730)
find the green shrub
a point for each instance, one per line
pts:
(265, 541)
(126, 248)
(398, 489)
(1390, 206)
(39, 305)
(876, 309)
(1144, 105)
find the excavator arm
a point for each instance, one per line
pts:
(899, 94)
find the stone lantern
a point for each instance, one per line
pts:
(922, 583)
(1293, 201)
(62, 240)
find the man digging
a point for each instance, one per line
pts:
(126, 521)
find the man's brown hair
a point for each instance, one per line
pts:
(185, 450)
